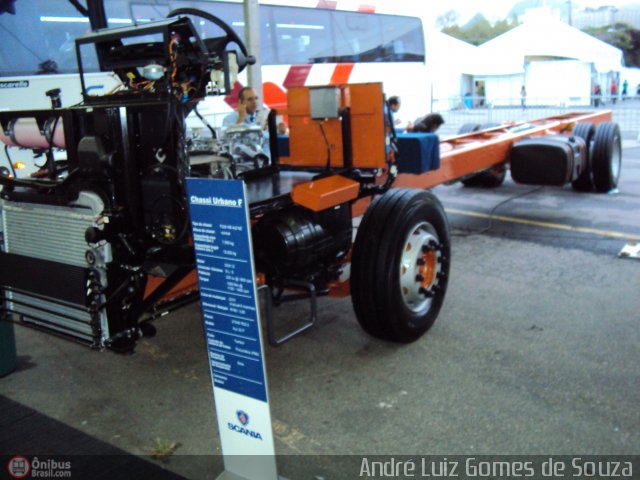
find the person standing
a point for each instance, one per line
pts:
(523, 97)
(481, 94)
(597, 93)
(614, 92)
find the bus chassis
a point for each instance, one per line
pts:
(97, 246)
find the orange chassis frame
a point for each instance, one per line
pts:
(472, 152)
(469, 153)
(460, 156)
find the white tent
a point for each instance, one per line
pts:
(559, 62)
(550, 37)
(449, 59)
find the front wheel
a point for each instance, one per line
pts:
(400, 265)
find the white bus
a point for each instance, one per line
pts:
(317, 42)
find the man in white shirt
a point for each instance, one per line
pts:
(246, 111)
(246, 145)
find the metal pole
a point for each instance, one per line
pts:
(97, 14)
(252, 40)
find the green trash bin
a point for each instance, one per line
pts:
(8, 357)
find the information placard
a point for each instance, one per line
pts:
(226, 277)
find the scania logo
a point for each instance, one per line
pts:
(243, 417)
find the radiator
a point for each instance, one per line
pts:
(50, 273)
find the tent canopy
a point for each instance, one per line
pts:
(552, 38)
(450, 53)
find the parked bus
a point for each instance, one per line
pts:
(301, 43)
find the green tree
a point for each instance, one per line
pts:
(447, 19)
(623, 36)
(479, 30)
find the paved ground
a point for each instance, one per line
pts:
(536, 351)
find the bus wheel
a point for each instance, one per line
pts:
(606, 156)
(400, 265)
(585, 131)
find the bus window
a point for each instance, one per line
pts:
(302, 36)
(402, 39)
(288, 35)
(145, 12)
(39, 38)
(268, 52)
(357, 37)
(230, 13)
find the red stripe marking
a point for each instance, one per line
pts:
(327, 4)
(341, 73)
(367, 8)
(296, 76)
(274, 96)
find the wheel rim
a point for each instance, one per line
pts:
(420, 267)
(616, 161)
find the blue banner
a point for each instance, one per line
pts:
(221, 237)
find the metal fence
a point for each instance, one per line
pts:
(462, 110)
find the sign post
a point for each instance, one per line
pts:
(226, 277)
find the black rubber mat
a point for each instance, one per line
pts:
(32, 441)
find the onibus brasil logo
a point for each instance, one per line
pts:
(19, 467)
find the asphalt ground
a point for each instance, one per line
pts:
(535, 352)
(598, 223)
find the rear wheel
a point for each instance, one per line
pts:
(400, 265)
(584, 183)
(606, 156)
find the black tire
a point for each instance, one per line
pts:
(362, 266)
(490, 178)
(606, 156)
(585, 131)
(403, 234)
